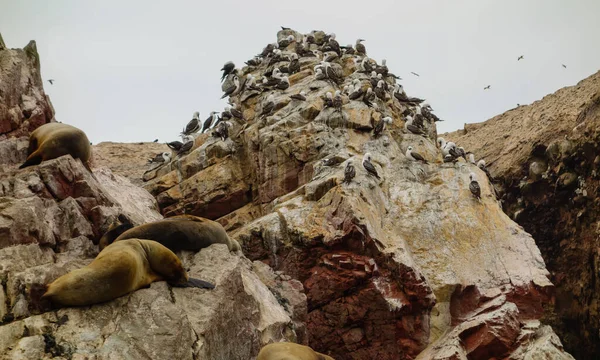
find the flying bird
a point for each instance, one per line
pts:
(487, 87)
(565, 66)
(349, 172)
(51, 81)
(415, 74)
(520, 57)
(369, 166)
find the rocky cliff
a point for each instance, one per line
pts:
(51, 218)
(545, 159)
(408, 265)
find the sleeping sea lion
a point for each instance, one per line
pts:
(119, 269)
(181, 232)
(54, 140)
(290, 351)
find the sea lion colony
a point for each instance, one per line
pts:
(132, 257)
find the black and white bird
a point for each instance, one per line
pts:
(337, 100)
(162, 158)
(380, 127)
(520, 57)
(349, 172)
(426, 110)
(155, 140)
(360, 48)
(268, 50)
(487, 87)
(193, 125)
(369, 166)
(221, 130)
(450, 159)
(251, 83)
(331, 72)
(328, 99)
(369, 97)
(226, 113)
(373, 79)
(237, 113)
(286, 41)
(300, 97)
(232, 88)
(414, 156)
(283, 83)
(333, 45)
(481, 165)
(357, 91)
(457, 152)
(474, 186)
(382, 69)
(319, 74)
(227, 69)
(402, 97)
(294, 65)
(209, 121)
(255, 61)
(380, 90)
(471, 157)
(175, 145)
(268, 106)
(412, 128)
(188, 143)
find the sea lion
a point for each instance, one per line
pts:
(119, 269)
(290, 351)
(54, 140)
(181, 232)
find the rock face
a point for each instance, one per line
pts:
(545, 158)
(51, 218)
(406, 266)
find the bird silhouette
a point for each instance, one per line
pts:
(520, 57)
(51, 81)
(414, 73)
(565, 66)
(487, 87)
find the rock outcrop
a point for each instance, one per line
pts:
(545, 159)
(406, 266)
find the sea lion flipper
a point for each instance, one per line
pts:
(33, 159)
(192, 282)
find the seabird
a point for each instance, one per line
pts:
(193, 125)
(294, 66)
(175, 145)
(222, 130)
(369, 166)
(283, 83)
(349, 172)
(164, 157)
(450, 159)
(472, 158)
(155, 140)
(188, 143)
(565, 66)
(457, 152)
(402, 97)
(380, 90)
(487, 87)
(209, 121)
(441, 142)
(380, 127)
(520, 57)
(232, 88)
(227, 69)
(366, 65)
(357, 92)
(236, 113)
(474, 186)
(369, 97)
(255, 61)
(51, 81)
(426, 110)
(348, 50)
(328, 99)
(348, 89)
(448, 147)
(331, 72)
(415, 74)
(337, 100)
(414, 156)
(360, 48)
(285, 28)
(412, 128)
(226, 113)
(481, 165)
(267, 50)
(373, 79)
(286, 41)
(333, 44)
(300, 97)
(382, 69)
(269, 105)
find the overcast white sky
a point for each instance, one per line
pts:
(137, 70)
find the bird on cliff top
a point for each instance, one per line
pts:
(286, 41)
(371, 170)
(380, 127)
(164, 157)
(221, 130)
(349, 172)
(193, 125)
(474, 186)
(333, 45)
(269, 105)
(155, 140)
(255, 61)
(51, 81)
(369, 97)
(520, 57)
(414, 156)
(209, 121)
(360, 48)
(188, 143)
(300, 97)
(227, 69)
(175, 145)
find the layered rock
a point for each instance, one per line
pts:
(392, 268)
(545, 159)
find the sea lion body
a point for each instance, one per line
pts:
(182, 232)
(119, 269)
(54, 140)
(290, 351)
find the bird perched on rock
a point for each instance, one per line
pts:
(209, 121)
(356, 92)
(349, 172)
(414, 156)
(471, 157)
(300, 97)
(188, 143)
(155, 140)
(337, 100)
(221, 130)
(333, 45)
(474, 186)
(380, 127)
(427, 112)
(231, 88)
(369, 97)
(369, 166)
(373, 79)
(268, 50)
(457, 152)
(286, 41)
(360, 48)
(283, 83)
(251, 83)
(255, 61)
(450, 159)
(380, 90)
(269, 105)
(319, 75)
(237, 113)
(162, 158)
(382, 69)
(193, 125)
(332, 73)
(328, 99)
(175, 145)
(294, 65)
(412, 128)
(348, 50)
(402, 97)
(481, 165)
(227, 69)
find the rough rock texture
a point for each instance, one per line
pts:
(392, 268)
(545, 159)
(128, 160)
(23, 104)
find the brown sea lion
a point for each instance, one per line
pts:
(290, 351)
(119, 269)
(54, 140)
(182, 232)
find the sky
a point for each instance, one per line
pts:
(130, 71)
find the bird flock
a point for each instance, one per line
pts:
(371, 84)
